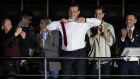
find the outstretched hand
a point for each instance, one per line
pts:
(81, 19)
(64, 20)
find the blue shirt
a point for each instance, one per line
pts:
(45, 36)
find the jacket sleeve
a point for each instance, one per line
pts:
(53, 25)
(6, 40)
(136, 42)
(112, 35)
(25, 43)
(122, 44)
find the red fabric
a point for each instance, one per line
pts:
(64, 33)
(13, 51)
(129, 33)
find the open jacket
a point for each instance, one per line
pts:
(7, 40)
(127, 42)
(50, 50)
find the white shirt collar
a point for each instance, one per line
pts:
(45, 33)
(72, 19)
(22, 26)
(132, 29)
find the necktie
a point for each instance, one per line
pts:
(130, 33)
(64, 33)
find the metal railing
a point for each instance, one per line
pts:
(62, 58)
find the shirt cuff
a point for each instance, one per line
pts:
(122, 40)
(132, 40)
(87, 20)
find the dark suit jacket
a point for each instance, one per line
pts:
(127, 42)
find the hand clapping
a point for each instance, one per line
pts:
(123, 32)
(18, 31)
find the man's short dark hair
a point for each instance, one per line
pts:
(99, 8)
(132, 14)
(26, 13)
(3, 20)
(75, 4)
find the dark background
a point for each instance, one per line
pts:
(58, 9)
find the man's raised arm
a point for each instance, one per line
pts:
(92, 22)
(53, 25)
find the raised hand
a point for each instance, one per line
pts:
(64, 20)
(105, 29)
(81, 19)
(123, 32)
(23, 34)
(45, 30)
(18, 31)
(41, 41)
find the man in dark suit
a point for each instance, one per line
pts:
(129, 37)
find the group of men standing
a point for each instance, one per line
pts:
(100, 35)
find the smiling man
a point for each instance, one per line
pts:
(100, 40)
(129, 37)
(73, 33)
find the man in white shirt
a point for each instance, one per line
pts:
(100, 42)
(73, 40)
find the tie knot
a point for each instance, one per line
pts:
(130, 30)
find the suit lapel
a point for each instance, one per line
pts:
(135, 32)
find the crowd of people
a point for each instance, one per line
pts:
(81, 37)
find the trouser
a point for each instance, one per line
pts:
(56, 72)
(129, 67)
(105, 70)
(70, 66)
(25, 70)
(9, 69)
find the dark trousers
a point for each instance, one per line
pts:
(105, 70)
(9, 69)
(25, 69)
(130, 67)
(74, 66)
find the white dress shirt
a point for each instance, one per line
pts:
(75, 32)
(45, 36)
